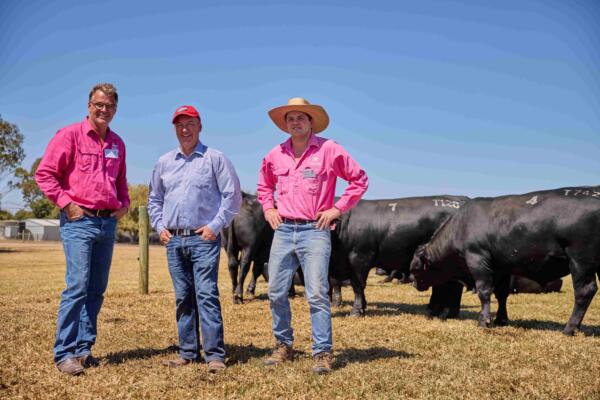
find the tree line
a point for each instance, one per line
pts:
(16, 177)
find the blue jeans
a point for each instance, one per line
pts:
(88, 245)
(194, 267)
(309, 247)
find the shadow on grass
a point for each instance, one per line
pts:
(265, 297)
(137, 354)
(586, 330)
(378, 309)
(352, 355)
(8, 250)
(243, 354)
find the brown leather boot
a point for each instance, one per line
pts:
(215, 366)
(70, 366)
(176, 363)
(323, 362)
(281, 353)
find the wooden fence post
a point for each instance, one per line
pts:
(143, 243)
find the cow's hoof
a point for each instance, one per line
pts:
(237, 299)
(453, 314)
(336, 302)
(569, 331)
(357, 313)
(485, 323)
(501, 321)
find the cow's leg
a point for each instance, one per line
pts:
(584, 284)
(359, 265)
(501, 291)
(335, 292)
(484, 284)
(455, 290)
(232, 265)
(359, 297)
(257, 269)
(388, 278)
(436, 301)
(251, 289)
(238, 294)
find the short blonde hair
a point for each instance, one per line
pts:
(107, 88)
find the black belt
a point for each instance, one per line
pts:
(98, 213)
(183, 232)
(297, 221)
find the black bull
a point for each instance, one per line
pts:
(247, 240)
(383, 233)
(541, 235)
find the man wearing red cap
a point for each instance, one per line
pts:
(303, 172)
(83, 172)
(194, 193)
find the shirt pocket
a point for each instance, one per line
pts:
(202, 177)
(282, 177)
(112, 167)
(314, 183)
(88, 160)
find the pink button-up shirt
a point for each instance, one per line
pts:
(77, 168)
(307, 187)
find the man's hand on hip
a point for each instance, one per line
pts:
(326, 218)
(206, 233)
(273, 218)
(74, 212)
(165, 236)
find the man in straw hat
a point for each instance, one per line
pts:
(194, 193)
(303, 172)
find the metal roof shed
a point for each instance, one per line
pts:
(43, 229)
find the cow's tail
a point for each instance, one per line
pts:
(230, 244)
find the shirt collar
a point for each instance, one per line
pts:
(200, 150)
(313, 141)
(87, 128)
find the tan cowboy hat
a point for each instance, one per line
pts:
(319, 116)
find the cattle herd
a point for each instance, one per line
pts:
(514, 243)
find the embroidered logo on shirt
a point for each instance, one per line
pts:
(111, 153)
(308, 173)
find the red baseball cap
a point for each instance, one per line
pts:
(186, 110)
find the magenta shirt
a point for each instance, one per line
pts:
(77, 168)
(305, 188)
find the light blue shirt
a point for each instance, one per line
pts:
(188, 193)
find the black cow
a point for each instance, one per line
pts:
(247, 240)
(384, 233)
(540, 235)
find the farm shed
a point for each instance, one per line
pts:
(43, 229)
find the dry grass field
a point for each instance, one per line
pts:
(394, 352)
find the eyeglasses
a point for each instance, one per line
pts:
(187, 126)
(109, 106)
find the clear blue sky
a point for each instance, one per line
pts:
(477, 98)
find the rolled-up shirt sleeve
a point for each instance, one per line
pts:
(156, 198)
(231, 197)
(266, 186)
(349, 170)
(56, 160)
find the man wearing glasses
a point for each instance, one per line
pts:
(83, 172)
(194, 193)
